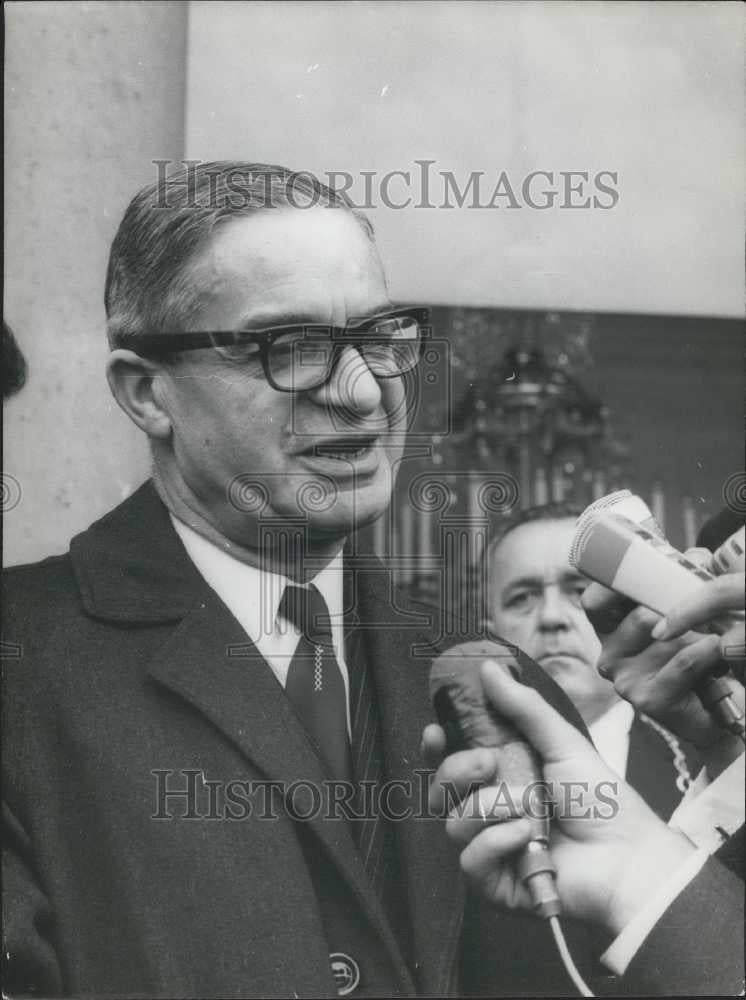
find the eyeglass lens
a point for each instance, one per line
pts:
(300, 361)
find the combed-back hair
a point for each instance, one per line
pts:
(169, 221)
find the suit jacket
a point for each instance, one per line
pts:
(120, 673)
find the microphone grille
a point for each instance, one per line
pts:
(584, 526)
(610, 500)
(583, 532)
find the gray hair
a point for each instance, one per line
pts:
(169, 221)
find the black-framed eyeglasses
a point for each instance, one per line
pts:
(303, 356)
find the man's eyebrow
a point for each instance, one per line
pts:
(524, 581)
(267, 321)
(569, 576)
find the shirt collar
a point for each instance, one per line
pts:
(618, 717)
(610, 735)
(251, 594)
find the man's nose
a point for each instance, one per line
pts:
(554, 610)
(351, 389)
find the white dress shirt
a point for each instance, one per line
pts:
(711, 811)
(253, 597)
(610, 735)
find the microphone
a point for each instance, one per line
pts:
(470, 721)
(619, 543)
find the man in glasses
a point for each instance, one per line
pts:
(215, 710)
(277, 355)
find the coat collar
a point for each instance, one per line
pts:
(131, 567)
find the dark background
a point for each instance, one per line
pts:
(673, 387)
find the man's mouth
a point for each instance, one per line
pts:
(563, 654)
(343, 449)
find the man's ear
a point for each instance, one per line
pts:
(132, 380)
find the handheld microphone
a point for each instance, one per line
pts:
(611, 549)
(616, 544)
(470, 721)
(728, 558)
(619, 543)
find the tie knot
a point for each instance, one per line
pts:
(305, 608)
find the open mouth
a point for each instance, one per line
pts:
(343, 448)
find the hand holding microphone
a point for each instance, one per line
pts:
(470, 721)
(712, 602)
(659, 678)
(609, 849)
(618, 543)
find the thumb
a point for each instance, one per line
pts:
(550, 735)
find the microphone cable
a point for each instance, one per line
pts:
(567, 960)
(538, 874)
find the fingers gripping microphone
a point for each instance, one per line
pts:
(470, 721)
(619, 544)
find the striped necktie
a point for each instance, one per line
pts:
(314, 684)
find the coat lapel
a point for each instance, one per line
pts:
(434, 886)
(210, 663)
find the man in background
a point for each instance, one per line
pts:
(533, 599)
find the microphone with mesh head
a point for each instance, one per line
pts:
(469, 721)
(619, 544)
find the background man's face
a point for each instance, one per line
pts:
(534, 602)
(275, 268)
